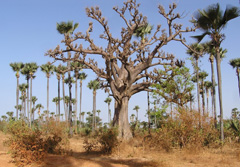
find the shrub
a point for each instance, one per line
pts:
(108, 140)
(184, 131)
(29, 145)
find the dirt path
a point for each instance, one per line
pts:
(227, 157)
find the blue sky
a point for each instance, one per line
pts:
(28, 30)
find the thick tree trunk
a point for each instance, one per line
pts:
(218, 60)
(120, 119)
(198, 93)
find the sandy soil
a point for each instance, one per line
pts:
(134, 157)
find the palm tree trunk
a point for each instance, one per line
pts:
(31, 102)
(28, 99)
(220, 92)
(76, 107)
(70, 102)
(48, 96)
(203, 98)
(94, 110)
(64, 105)
(80, 103)
(198, 93)
(238, 80)
(214, 95)
(207, 92)
(17, 97)
(109, 114)
(58, 114)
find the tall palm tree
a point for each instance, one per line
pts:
(67, 28)
(57, 70)
(141, 32)
(23, 97)
(235, 63)
(48, 70)
(76, 67)
(136, 108)
(199, 49)
(66, 100)
(202, 76)
(212, 21)
(56, 101)
(34, 99)
(29, 70)
(208, 86)
(17, 67)
(108, 100)
(81, 76)
(94, 85)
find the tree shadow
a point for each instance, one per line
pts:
(82, 159)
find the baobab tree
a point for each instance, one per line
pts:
(123, 59)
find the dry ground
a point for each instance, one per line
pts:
(134, 157)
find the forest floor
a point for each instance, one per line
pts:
(134, 157)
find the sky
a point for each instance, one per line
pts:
(28, 31)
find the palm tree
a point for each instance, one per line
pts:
(56, 101)
(108, 100)
(199, 49)
(81, 76)
(136, 108)
(76, 66)
(208, 86)
(235, 63)
(67, 28)
(17, 67)
(48, 70)
(212, 21)
(141, 32)
(4, 117)
(39, 107)
(63, 69)
(10, 115)
(23, 97)
(29, 70)
(94, 85)
(34, 99)
(202, 76)
(19, 107)
(57, 70)
(66, 100)
(82, 117)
